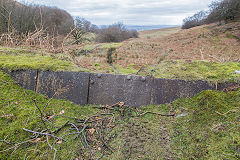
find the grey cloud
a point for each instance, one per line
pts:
(131, 11)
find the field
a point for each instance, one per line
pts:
(202, 127)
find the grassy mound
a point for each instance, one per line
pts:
(21, 58)
(205, 127)
(208, 126)
(196, 70)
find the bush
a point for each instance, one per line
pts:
(115, 33)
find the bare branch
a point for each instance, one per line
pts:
(46, 134)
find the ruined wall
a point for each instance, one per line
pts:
(107, 89)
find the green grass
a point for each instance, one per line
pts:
(209, 130)
(110, 45)
(20, 58)
(161, 33)
(18, 102)
(93, 48)
(196, 70)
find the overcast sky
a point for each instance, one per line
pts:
(130, 12)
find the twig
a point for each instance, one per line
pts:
(107, 146)
(69, 117)
(167, 115)
(55, 151)
(5, 142)
(46, 134)
(82, 131)
(76, 129)
(48, 102)
(142, 68)
(56, 131)
(41, 114)
(220, 114)
(102, 138)
(16, 145)
(104, 107)
(107, 114)
(85, 139)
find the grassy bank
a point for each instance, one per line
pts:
(20, 58)
(205, 127)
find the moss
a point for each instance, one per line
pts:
(210, 129)
(111, 45)
(196, 70)
(17, 105)
(144, 137)
(20, 58)
(125, 70)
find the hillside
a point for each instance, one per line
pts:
(209, 52)
(206, 126)
(209, 42)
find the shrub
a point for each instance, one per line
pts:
(115, 33)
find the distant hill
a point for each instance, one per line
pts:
(144, 27)
(148, 27)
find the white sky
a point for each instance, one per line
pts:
(130, 12)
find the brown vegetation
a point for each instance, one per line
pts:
(209, 42)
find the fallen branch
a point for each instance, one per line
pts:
(65, 124)
(74, 118)
(107, 146)
(167, 115)
(104, 107)
(46, 134)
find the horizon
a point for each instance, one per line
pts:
(143, 13)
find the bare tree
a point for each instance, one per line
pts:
(26, 18)
(224, 10)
